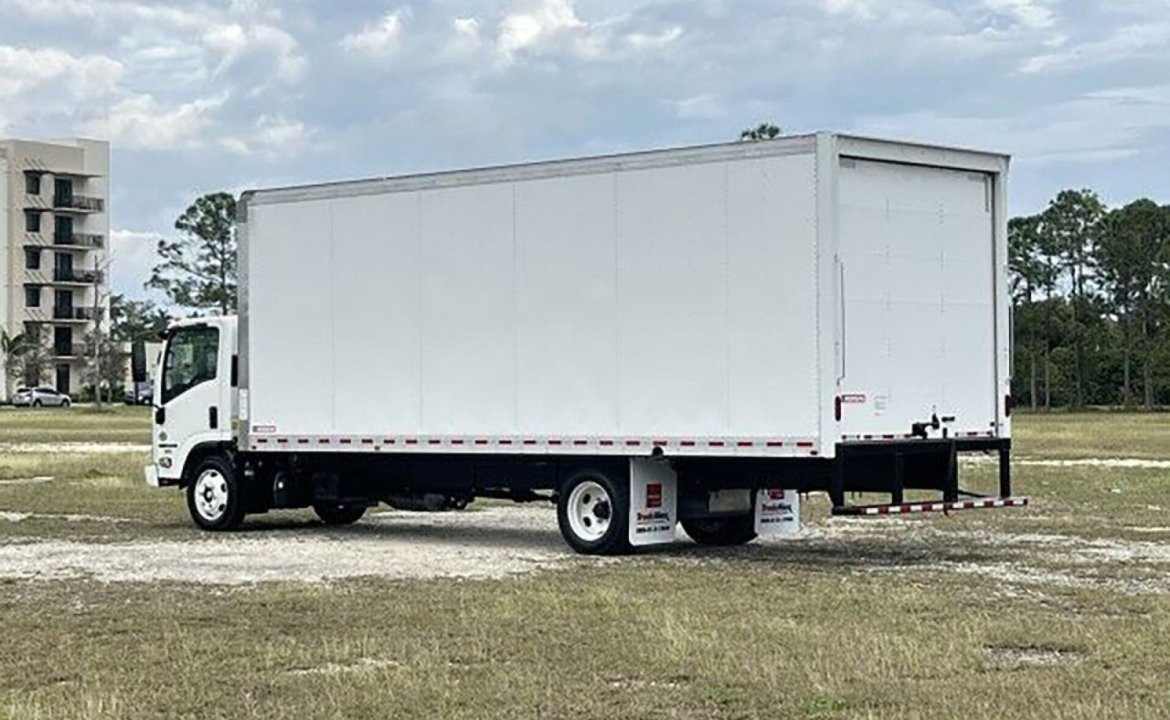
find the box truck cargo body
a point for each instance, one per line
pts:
(690, 335)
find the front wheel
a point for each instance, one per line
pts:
(337, 514)
(722, 531)
(214, 496)
(593, 512)
(65, 403)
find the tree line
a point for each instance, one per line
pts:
(1091, 299)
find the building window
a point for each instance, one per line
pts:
(32, 296)
(32, 221)
(32, 259)
(32, 183)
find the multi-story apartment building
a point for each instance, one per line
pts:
(54, 239)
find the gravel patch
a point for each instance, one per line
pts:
(364, 665)
(27, 481)
(491, 543)
(1014, 658)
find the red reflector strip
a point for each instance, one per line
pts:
(929, 507)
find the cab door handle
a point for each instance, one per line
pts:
(213, 417)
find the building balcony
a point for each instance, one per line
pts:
(79, 240)
(82, 277)
(68, 350)
(78, 203)
(73, 313)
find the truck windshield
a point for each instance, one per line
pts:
(190, 360)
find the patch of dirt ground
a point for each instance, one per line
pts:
(499, 541)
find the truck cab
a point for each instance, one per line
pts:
(195, 399)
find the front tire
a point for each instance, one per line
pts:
(593, 512)
(722, 531)
(335, 514)
(214, 496)
(65, 403)
(37, 403)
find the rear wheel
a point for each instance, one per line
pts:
(214, 496)
(722, 531)
(593, 512)
(339, 514)
(37, 403)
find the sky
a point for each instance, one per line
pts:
(204, 96)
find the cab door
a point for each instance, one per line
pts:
(189, 407)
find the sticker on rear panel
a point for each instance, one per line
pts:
(777, 512)
(653, 502)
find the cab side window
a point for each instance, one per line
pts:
(192, 355)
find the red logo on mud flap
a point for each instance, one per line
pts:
(654, 495)
(776, 494)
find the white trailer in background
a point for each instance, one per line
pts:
(689, 335)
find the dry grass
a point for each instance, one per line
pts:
(1093, 435)
(1046, 613)
(112, 424)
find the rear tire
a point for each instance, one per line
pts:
(335, 514)
(214, 496)
(722, 531)
(37, 403)
(593, 511)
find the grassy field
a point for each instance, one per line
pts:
(1058, 611)
(112, 424)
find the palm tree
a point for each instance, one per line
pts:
(11, 348)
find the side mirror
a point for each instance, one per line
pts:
(160, 415)
(138, 361)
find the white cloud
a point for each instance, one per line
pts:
(234, 41)
(80, 77)
(654, 41)
(861, 9)
(1125, 43)
(142, 122)
(378, 38)
(1030, 14)
(272, 135)
(541, 22)
(51, 82)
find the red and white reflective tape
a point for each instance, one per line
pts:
(962, 434)
(929, 507)
(799, 447)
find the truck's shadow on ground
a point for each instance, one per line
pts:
(853, 551)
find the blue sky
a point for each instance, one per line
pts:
(203, 96)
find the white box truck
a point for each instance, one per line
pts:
(683, 336)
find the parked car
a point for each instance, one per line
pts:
(139, 394)
(41, 396)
